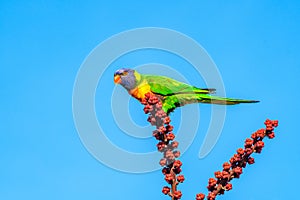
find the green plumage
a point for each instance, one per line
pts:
(175, 94)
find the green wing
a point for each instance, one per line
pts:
(177, 94)
(166, 86)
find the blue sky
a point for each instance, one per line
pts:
(255, 45)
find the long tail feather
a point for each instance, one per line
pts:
(224, 101)
(172, 102)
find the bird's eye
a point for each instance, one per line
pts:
(124, 73)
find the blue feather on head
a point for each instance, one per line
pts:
(125, 77)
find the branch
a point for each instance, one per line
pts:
(166, 145)
(234, 168)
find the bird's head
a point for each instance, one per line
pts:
(126, 77)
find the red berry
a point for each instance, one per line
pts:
(152, 120)
(147, 95)
(174, 144)
(160, 114)
(238, 171)
(260, 133)
(165, 170)
(180, 178)
(161, 146)
(144, 101)
(177, 163)
(228, 186)
(271, 135)
(200, 196)
(177, 194)
(167, 120)
(240, 151)
(226, 166)
(170, 136)
(258, 150)
(225, 175)
(248, 151)
(250, 160)
(211, 196)
(176, 153)
(169, 128)
(162, 129)
(163, 162)
(212, 181)
(169, 178)
(268, 122)
(260, 144)
(254, 136)
(148, 108)
(236, 158)
(269, 127)
(166, 190)
(177, 170)
(169, 155)
(248, 142)
(156, 134)
(211, 184)
(275, 123)
(218, 174)
(153, 99)
(158, 105)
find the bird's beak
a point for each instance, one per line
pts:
(117, 79)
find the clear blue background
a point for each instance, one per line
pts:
(255, 45)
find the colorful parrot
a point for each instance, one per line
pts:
(172, 93)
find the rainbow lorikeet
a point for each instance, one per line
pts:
(172, 93)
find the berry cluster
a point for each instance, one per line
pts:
(163, 133)
(234, 168)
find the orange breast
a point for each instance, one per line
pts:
(139, 92)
